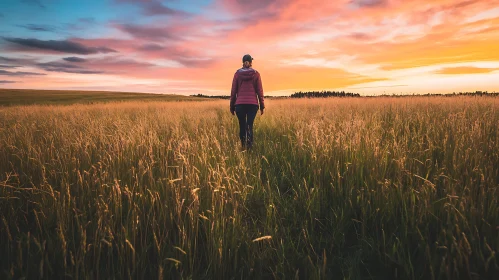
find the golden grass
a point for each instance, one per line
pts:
(12, 97)
(384, 188)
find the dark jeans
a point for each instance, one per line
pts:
(246, 114)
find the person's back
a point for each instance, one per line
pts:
(246, 95)
(248, 86)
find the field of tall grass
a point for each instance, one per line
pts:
(354, 188)
(13, 97)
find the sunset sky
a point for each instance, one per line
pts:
(195, 46)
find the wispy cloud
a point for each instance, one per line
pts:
(82, 24)
(360, 36)
(39, 27)
(19, 73)
(108, 65)
(57, 65)
(63, 67)
(368, 3)
(74, 59)
(154, 8)
(63, 46)
(7, 59)
(66, 68)
(119, 64)
(11, 63)
(250, 7)
(151, 47)
(87, 20)
(8, 66)
(152, 33)
(465, 70)
(6, 82)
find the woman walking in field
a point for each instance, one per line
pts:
(245, 97)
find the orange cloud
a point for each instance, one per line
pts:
(401, 56)
(465, 70)
(295, 78)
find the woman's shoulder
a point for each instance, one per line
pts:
(246, 70)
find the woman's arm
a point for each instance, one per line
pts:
(259, 89)
(233, 94)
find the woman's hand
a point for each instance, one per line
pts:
(261, 111)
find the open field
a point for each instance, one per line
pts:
(11, 97)
(378, 188)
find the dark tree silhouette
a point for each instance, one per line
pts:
(323, 94)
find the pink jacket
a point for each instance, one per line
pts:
(246, 88)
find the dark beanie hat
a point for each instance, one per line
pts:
(247, 57)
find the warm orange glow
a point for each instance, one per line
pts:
(466, 70)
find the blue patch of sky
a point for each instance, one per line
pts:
(83, 19)
(80, 19)
(192, 6)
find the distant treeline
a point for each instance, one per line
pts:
(314, 94)
(319, 94)
(228, 97)
(211, 96)
(473, 93)
(322, 94)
